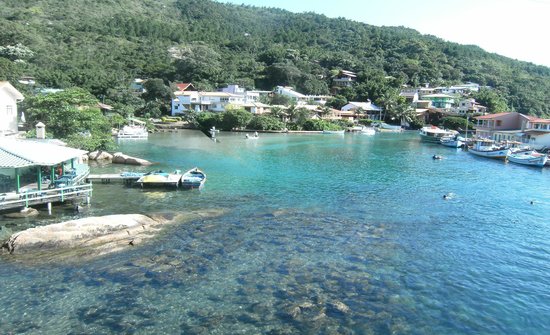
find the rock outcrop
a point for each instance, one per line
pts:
(93, 236)
(100, 155)
(120, 158)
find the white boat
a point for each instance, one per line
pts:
(531, 158)
(388, 127)
(333, 131)
(136, 129)
(193, 178)
(368, 131)
(488, 148)
(253, 137)
(452, 142)
(434, 134)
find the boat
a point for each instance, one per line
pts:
(452, 141)
(333, 131)
(193, 178)
(160, 178)
(530, 158)
(368, 131)
(136, 129)
(488, 148)
(434, 134)
(382, 126)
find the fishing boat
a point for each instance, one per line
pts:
(488, 148)
(136, 130)
(434, 134)
(193, 178)
(452, 141)
(160, 178)
(530, 158)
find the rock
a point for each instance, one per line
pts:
(339, 306)
(24, 213)
(100, 155)
(120, 158)
(93, 236)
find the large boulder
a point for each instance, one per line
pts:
(120, 158)
(93, 236)
(100, 155)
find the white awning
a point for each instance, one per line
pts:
(21, 153)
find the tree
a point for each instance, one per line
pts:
(235, 119)
(71, 115)
(265, 122)
(337, 102)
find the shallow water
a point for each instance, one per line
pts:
(323, 234)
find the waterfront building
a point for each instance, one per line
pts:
(442, 101)
(500, 126)
(40, 171)
(365, 110)
(536, 132)
(9, 97)
(470, 106)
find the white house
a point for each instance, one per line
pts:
(470, 105)
(291, 93)
(249, 96)
(344, 79)
(9, 96)
(536, 132)
(370, 110)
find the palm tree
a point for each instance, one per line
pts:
(388, 100)
(404, 113)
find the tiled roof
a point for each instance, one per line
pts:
(534, 119)
(492, 116)
(9, 160)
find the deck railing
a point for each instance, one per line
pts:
(44, 196)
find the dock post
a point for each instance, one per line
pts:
(87, 199)
(49, 208)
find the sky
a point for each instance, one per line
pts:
(513, 28)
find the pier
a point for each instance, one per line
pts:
(107, 178)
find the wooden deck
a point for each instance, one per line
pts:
(25, 199)
(107, 178)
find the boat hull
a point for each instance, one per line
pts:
(496, 154)
(193, 178)
(452, 143)
(529, 160)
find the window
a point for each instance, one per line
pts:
(499, 123)
(9, 110)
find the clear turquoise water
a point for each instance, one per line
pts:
(323, 234)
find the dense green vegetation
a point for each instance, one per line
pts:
(102, 45)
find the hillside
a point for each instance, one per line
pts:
(101, 45)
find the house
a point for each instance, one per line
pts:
(185, 87)
(291, 93)
(204, 101)
(248, 96)
(9, 97)
(470, 106)
(366, 110)
(536, 132)
(500, 126)
(137, 86)
(344, 79)
(442, 101)
(411, 96)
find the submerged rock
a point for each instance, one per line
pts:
(24, 213)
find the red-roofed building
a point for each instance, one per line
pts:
(182, 87)
(514, 126)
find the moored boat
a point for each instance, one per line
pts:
(160, 178)
(193, 178)
(488, 148)
(136, 130)
(434, 134)
(368, 131)
(388, 127)
(452, 142)
(530, 158)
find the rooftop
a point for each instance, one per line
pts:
(21, 153)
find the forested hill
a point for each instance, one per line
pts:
(101, 45)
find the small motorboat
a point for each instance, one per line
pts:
(193, 178)
(530, 158)
(452, 141)
(160, 178)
